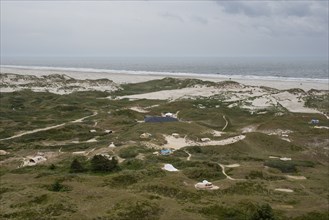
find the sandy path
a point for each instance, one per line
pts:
(223, 170)
(225, 124)
(189, 155)
(47, 128)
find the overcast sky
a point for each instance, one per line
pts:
(164, 28)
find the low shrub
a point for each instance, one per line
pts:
(288, 166)
(141, 210)
(123, 180)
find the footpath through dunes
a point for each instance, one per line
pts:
(48, 128)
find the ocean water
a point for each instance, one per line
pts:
(255, 67)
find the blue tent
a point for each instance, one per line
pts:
(165, 152)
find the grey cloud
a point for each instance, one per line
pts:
(199, 19)
(172, 16)
(270, 8)
(247, 8)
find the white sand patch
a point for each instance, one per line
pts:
(293, 102)
(285, 158)
(138, 109)
(273, 157)
(284, 190)
(286, 139)
(111, 145)
(321, 127)
(263, 102)
(79, 153)
(3, 152)
(217, 133)
(232, 165)
(91, 140)
(169, 167)
(177, 143)
(248, 129)
(296, 177)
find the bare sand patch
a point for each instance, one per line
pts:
(296, 177)
(177, 143)
(321, 127)
(284, 190)
(138, 109)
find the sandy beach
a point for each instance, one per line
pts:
(120, 78)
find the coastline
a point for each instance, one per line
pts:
(121, 77)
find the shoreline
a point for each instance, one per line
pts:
(122, 77)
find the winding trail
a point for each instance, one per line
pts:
(225, 124)
(223, 171)
(47, 128)
(189, 155)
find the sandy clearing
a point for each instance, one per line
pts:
(91, 140)
(296, 177)
(248, 129)
(284, 190)
(177, 143)
(47, 128)
(293, 103)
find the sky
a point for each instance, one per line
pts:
(164, 28)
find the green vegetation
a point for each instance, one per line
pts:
(100, 163)
(288, 166)
(130, 182)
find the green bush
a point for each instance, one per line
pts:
(180, 153)
(263, 212)
(129, 152)
(76, 166)
(133, 164)
(57, 186)
(288, 166)
(101, 163)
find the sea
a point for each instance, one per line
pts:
(284, 68)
